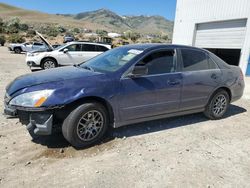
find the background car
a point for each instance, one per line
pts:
(27, 47)
(122, 86)
(68, 39)
(69, 54)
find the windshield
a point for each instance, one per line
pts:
(112, 60)
(59, 47)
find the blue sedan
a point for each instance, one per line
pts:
(122, 86)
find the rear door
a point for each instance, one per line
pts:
(200, 77)
(90, 51)
(156, 93)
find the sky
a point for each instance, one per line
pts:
(165, 8)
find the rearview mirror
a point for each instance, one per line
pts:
(65, 50)
(138, 71)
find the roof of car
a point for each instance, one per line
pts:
(83, 42)
(150, 46)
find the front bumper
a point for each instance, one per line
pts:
(10, 49)
(32, 64)
(40, 124)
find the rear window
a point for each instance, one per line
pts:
(194, 60)
(88, 48)
(101, 48)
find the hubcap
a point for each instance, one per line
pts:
(90, 125)
(49, 65)
(220, 104)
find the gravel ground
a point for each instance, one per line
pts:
(187, 151)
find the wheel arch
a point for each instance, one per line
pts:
(48, 57)
(221, 88)
(99, 100)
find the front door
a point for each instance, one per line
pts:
(153, 94)
(74, 55)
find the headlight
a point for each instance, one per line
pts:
(31, 99)
(32, 54)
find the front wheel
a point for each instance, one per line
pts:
(85, 125)
(218, 105)
(49, 64)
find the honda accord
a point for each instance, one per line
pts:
(126, 85)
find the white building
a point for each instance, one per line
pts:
(221, 26)
(114, 35)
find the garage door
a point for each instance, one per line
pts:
(226, 34)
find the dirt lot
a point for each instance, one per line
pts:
(188, 151)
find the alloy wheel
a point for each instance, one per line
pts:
(49, 65)
(219, 105)
(90, 125)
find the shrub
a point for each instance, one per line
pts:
(23, 27)
(61, 29)
(76, 30)
(12, 26)
(15, 38)
(30, 33)
(156, 40)
(2, 40)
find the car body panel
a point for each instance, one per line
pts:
(149, 95)
(203, 83)
(133, 99)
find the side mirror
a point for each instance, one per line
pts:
(65, 50)
(138, 71)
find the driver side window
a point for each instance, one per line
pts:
(74, 48)
(159, 62)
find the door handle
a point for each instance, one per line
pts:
(173, 83)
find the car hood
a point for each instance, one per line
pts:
(48, 76)
(49, 46)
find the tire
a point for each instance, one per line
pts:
(49, 63)
(17, 50)
(217, 105)
(80, 125)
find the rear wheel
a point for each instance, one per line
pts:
(217, 105)
(49, 63)
(85, 125)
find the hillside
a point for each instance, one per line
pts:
(99, 19)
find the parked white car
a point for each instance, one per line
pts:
(69, 54)
(26, 47)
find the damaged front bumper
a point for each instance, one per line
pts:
(40, 124)
(37, 121)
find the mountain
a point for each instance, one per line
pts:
(98, 19)
(142, 24)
